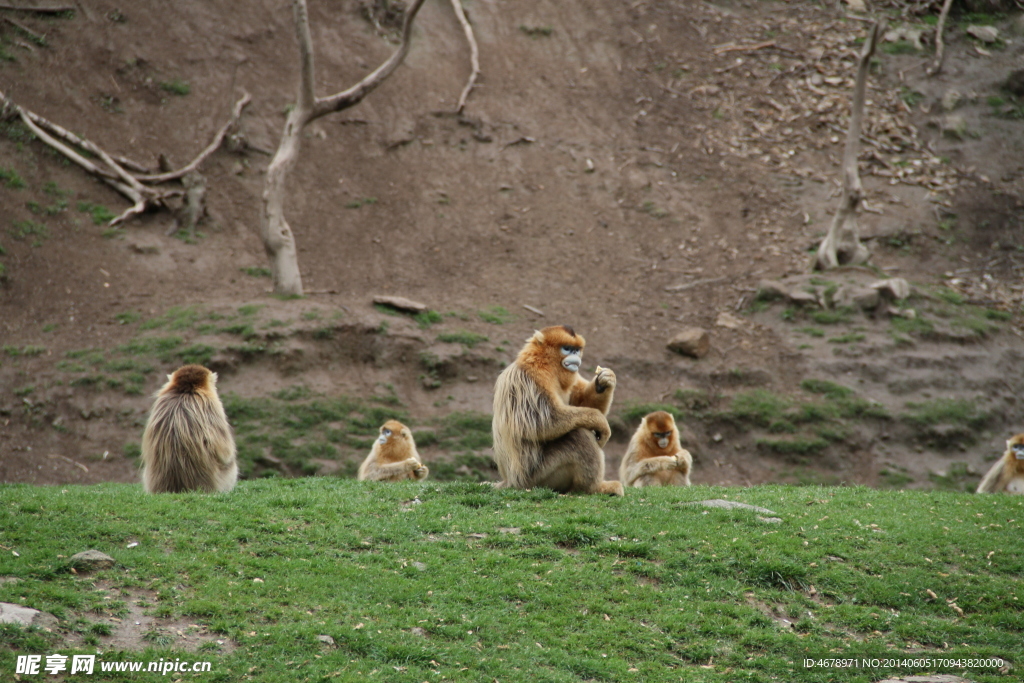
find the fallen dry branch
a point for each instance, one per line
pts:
(940, 46)
(112, 171)
(218, 140)
(722, 49)
(842, 243)
(474, 54)
(39, 10)
(695, 283)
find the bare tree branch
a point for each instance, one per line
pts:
(842, 243)
(278, 238)
(38, 10)
(355, 94)
(940, 46)
(113, 172)
(474, 54)
(218, 139)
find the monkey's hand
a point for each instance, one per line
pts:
(603, 433)
(421, 472)
(604, 379)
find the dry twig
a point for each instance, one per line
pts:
(39, 10)
(474, 54)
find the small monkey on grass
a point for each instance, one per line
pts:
(654, 457)
(393, 456)
(549, 423)
(1007, 474)
(187, 445)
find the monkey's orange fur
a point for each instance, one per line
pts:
(393, 456)
(1007, 474)
(654, 456)
(549, 424)
(187, 444)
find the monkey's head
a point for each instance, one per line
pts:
(190, 379)
(661, 426)
(1016, 446)
(555, 347)
(393, 433)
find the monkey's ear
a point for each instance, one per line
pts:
(213, 377)
(537, 337)
(170, 377)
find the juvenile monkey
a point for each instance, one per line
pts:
(654, 457)
(393, 456)
(1007, 474)
(187, 445)
(549, 424)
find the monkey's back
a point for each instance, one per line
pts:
(521, 409)
(188, 445)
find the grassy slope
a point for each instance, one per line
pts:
(635, 589)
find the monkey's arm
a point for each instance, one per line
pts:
(995, 479)
(597, 393)
(378, 472)
(563, 419)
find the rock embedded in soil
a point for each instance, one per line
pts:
(24, 617)
(89, 560)
(732, 505)
(986, 34)
(693, 341)
(401, 303)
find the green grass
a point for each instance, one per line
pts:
(27, 350)
(496, 315)
(296, 427)
(100, 214)
(37, 232)
(256, 271)
(176, 87)
(469, 339)
(848, 338)
(427, 318)
(10, 178)
(527, 585)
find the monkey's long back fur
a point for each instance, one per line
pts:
(524, 411)
(188, 445)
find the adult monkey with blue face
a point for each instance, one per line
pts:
(549, 424)
(1007, 474)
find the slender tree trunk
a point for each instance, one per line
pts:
(278, 240)
(842, 243)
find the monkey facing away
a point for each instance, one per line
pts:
(1007, 474)
(393, 456)
(187, 444)
(654, 456)
(549, 424)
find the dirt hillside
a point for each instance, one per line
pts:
(630, 169)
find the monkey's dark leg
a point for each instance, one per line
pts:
(574, 462)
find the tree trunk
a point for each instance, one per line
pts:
(278, 240)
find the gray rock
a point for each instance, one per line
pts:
(893, 288)
(9, 579)
(26, 616)
(693, 341)
(768, 290)
(950, 99)
(401, 303)
(731, 505)
(931, 678)
(986, 34)
(92, 559)
(417, 631)
(326, 640)
(954, 126)
(769, 520)
(864, 298)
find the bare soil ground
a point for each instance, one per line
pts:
(611, 151)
